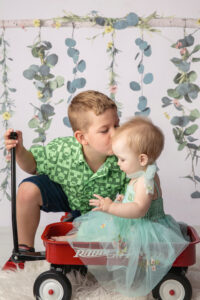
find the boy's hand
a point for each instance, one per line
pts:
(9, 143)
(102, 204)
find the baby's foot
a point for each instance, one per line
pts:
(63, 238)
(59, 238)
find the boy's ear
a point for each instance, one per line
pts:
(143, 159)
(80, 136)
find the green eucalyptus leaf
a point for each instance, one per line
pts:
(189, 40)
(184, 66)
(79, 83)
(60, 80)
(180, 121)
(173, 93)
(196, 49)
(143, 45)
(132, 19)
(195, 195)
(39, 84)
(70, 42)
(72, 52)
(148, 51)
(35, 52)
(177, 78)
(44, 70)
(52, 60)
(29, 74)
(148, 78)
(191, 129)
(135, 86)
(33, 123)
(38, 140)
(194, 114)
(192, 76)
(47, 124)
(71, 89)
(181, 146)
(53, 85)
(141, 68)
(192, 146)
(142, 103)
(66, 122)
(47, 110)
(166, 101)
(47, 45)
(100, 21)
(12, 90)
(195, 59)
(34, 68)
(120, 24)
(138, 41)
(187, 98)
(81, 66)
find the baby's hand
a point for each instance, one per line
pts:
(102, 204)
(119, 198)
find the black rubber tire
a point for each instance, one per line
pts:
(183, 282)
(52, 278)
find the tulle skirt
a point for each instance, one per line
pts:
(139, 252)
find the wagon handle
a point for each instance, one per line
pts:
(13, 136)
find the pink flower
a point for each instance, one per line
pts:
(183, 51)
(113, 89)
(178, 45)
(176, 103)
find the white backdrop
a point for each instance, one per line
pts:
(172, 163)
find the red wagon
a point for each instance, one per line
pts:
(54, 284)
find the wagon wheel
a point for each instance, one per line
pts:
(52, 285)
(173, 287)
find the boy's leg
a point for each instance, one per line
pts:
(34, 194)
(29, 201)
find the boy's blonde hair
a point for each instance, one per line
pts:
(84, 102)
(143, 137)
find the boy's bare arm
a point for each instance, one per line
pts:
(24, 158)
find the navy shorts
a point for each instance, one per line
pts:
(53, 197)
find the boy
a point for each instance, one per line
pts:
(70, 169)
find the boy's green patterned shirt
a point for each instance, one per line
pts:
(63, 161)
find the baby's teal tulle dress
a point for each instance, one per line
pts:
(145, 248)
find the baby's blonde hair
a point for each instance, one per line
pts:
(143, 137)
(84, 102)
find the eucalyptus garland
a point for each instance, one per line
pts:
(79, 66)
(184, 94)
(144, 50)
(7, 105)
(45, 83)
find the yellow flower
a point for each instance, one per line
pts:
(36, 22)
(39, 94)
(6, 116)
(198, 21)
(109, 45)
(166, 115)
(57, 24)
(108, 29)
(103, 225)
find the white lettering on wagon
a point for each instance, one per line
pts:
(83, 252)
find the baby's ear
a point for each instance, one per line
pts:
(80, 136)
(143, 159)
